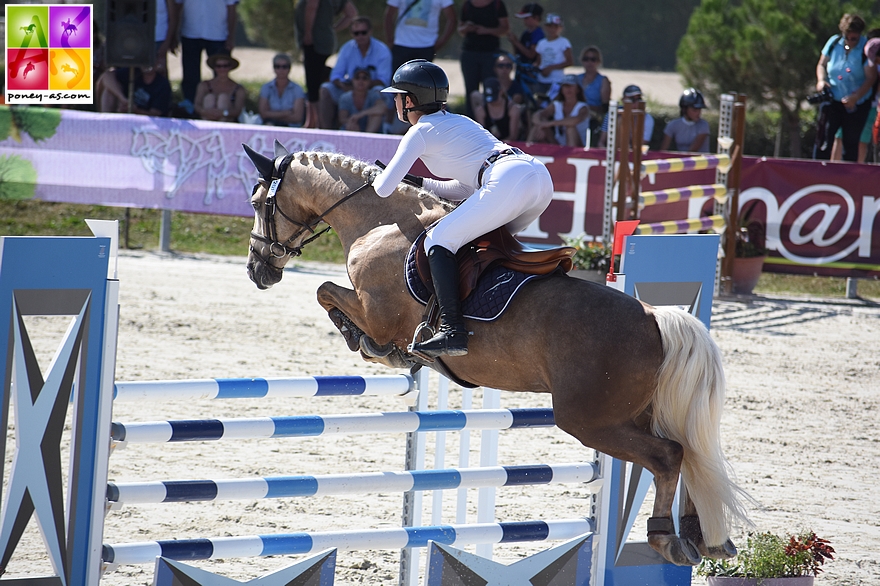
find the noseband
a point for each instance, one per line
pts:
(278, 249)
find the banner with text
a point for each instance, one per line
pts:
(820, 216)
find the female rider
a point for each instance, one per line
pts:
(498, 185)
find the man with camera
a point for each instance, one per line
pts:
(844, 71)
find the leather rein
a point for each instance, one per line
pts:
(278, 249)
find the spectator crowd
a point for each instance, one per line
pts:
(520, 94)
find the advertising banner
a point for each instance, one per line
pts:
(819, 217)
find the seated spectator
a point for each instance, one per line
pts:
(220, 98)
(496, 112)
(557, 123)
(362, 52)
(632, 94)
(282, 102)
(152, 92)
(503, 70)
(362, 109)
(690, 133)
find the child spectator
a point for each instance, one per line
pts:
(524, 46)
(633, 94)
(553, 53)
(690, 133)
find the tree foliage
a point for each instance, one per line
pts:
(767, 49)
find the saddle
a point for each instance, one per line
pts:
(498, 247)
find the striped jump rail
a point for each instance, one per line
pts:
(680, 226)
(303, 543)
(187, 430)
(696, 163)
(250, 388)
(175, 491)
(673, 194)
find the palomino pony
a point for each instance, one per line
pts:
(639, 383)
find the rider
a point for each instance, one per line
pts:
(499, 186)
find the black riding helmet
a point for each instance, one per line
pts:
(691, 98)
(424, 81)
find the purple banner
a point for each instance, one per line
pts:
(820, 217)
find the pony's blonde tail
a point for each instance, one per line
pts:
(687, 409)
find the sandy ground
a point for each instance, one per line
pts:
(799, 429)
(256, 65)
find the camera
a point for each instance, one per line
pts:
(821, 97)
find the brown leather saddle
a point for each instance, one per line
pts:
(497, 247)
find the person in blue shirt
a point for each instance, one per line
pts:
(524, 46)
(282, 102)
(844, 69)
(363, 51)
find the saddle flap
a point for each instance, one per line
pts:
(496, 247)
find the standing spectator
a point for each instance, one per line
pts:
(205, 25)
(412, 29)
(844, 67)
(221, 98)
(690, 133)
(632, 94)
(282, 102)
(597, 89)
(362, 109)
(496, 112)
(363, 51)
(558, 122)
(554, 53)
(524, 46)
(152, 92)
(868, 131)
(483, 23)
(316, 33)
(166, 33)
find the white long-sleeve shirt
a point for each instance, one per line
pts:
(450, 145)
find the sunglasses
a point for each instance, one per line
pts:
(222, 65)
(504, 65)
(281, 66)
(593, 59)
(360, 33)
(362, 78)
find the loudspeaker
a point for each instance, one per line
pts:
(131, 33)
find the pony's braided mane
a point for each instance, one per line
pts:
(364, 169)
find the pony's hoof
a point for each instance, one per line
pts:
(681, 552)
(369, 347)
(725, 551)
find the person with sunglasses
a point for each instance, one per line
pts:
(844, 69)
(597, 90)
(282, 101)
(221, 98)
(363, 51)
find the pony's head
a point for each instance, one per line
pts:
(282, 228)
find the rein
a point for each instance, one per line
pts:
(278, 249)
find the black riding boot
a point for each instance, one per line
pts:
(452, 337)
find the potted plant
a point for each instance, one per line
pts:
(770, 560)
(592, 259)
(751, 250)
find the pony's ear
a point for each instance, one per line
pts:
(280, 150)
(265, 166)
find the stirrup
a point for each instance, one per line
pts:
(444, 343)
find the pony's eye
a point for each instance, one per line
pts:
(255, 205)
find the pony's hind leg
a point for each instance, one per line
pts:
(662, 457)
(690, 529)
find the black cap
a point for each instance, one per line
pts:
(533, 9)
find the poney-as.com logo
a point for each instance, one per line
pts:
(49, 54)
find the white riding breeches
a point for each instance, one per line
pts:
(515, 192)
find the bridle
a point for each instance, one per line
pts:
(278, 249)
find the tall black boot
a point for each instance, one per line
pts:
(452, 337)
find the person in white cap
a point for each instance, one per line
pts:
(498, 185)
(554, 53)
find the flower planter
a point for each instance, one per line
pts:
(746, 272)
(730, 581)
(588, 275)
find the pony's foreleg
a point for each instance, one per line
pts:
(349, 316)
